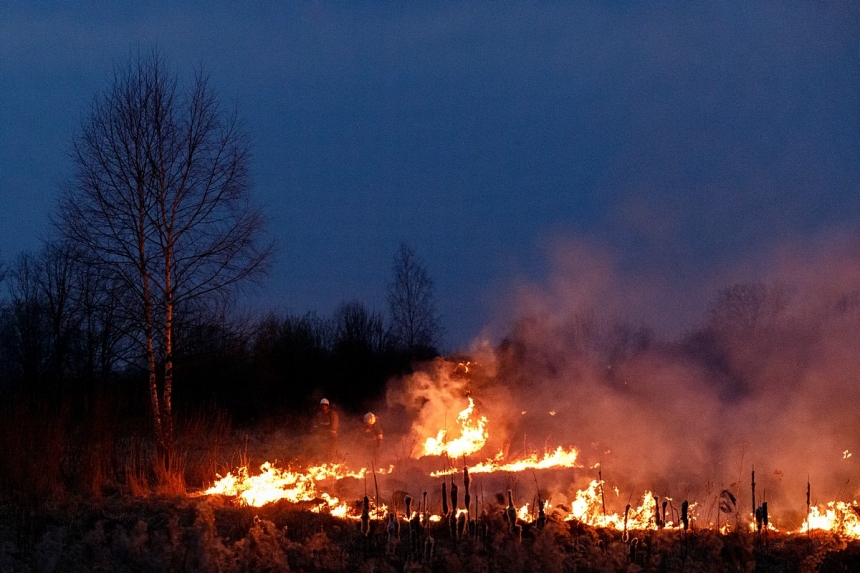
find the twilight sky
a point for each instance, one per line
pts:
(679, 140)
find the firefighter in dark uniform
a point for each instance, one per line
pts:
(372, 434)
(326, 426)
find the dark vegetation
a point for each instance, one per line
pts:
(83, 428)
(56, 353)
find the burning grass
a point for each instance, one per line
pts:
(451, 493)
(572, 493)
(499, 520)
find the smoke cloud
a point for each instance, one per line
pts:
(766, 379)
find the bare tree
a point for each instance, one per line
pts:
(160, 198)
(58, 283)
(357, 327)
(104, 324)
(742, 309)
(28, 335)
(414, 321)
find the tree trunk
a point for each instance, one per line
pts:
(167, 416)
(150, 366)
(147, 327)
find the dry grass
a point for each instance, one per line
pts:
(162, 533)
(97, 448)
(36, 462)
(203, 440)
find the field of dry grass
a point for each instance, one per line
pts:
(76, 495)
(158, 533)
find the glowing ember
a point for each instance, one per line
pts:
(473, 436)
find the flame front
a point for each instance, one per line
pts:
(473, 436)
(274, 484)
(559, 458)
(587, 506)
(270, 485)
(839, 517)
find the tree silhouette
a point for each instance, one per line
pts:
(27, 334)
(359, 352)
(414, 321)
(160, 200)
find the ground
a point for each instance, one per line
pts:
(210, 533)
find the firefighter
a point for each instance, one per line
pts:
(325, 429)
(372, 434)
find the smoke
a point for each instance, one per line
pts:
(766, 379)
(432, 398)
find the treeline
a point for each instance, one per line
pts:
(283, 364)
(64, 335)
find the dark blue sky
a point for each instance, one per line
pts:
(680, 138)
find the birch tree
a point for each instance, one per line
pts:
(160, 199)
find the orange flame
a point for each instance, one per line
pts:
(274, 484)
(839, 517)
(559, 458)
(473, 436)
(588, 506)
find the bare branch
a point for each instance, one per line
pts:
(160, 201)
